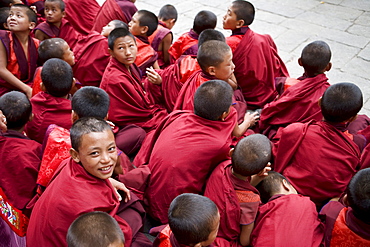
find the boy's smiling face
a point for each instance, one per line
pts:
(124, 50)
(18, 20)
(53, 12)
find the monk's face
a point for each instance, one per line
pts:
(97, 153)
(134, 25)
(18, 20)
(53, 12)
(125, 50)
(230, 20)
(212, 236)
(225, 69)
(107, 29)
(68, 54)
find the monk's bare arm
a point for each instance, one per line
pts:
(249, 121)
(166, 44)
(245, 234)
(40, 35)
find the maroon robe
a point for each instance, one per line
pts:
(47, 110)
(71, 193)
(82, 21)
(129, 103)
(181, 155)
(318, 158)
(257, 63)
(287, 220)
(186, 44)
(156, 39)
(122, 10)
(298, 103)
(146, 55)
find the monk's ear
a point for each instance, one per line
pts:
(211, 70)
(345, 200)
(319, 102)
(231, 152)
(31, 117)
(106, 117)
(240, 23)
(63, 14)
(328, 67)
(42, 87)
(111, 52)
(300, 62)
(75, 156)
(285, 184)
(32, 25)
(144, 30)
(198, 245)
(74, 116)
(224, 115)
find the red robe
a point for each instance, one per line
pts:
(146, 55)
(48, 110)
(182, 153)
(71, 193)
(257, 63)
(122, 10)
(156, 38)
(90, 64)
(287, 220)
(82, 21)
(17, 63)
(298, 103)
(129, 103)
(186, 44)
(317, 158)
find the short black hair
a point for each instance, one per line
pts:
(341, 102)
(315, 57)
(270, 185)
(62, 5)
(212, 53)
(118, 33)
(51, 48)
(212, 99)
(119, 24)
(17, 109)
(148, 19)
(4, 14)
(90, 102)
(94, 229)
(167, 12)
(191, 218)
(210, 34)
(244, 10)
(32, 17)
(57, 77)
(85, 126)
(204, 20)
(251, 155)
(358, 194)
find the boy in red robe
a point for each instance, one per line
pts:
(349, 224)
(286, 218)
(56, 26)
(187, 44)
(299, 102)
(231, 187)
(255, 56)
(52, 105)
(82, 21)
(193, 220)
(319, 158)
(16, 66)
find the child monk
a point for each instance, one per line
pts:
(299, 102)
(193, 220)
(187, 44)
(273, 227)
(16, 66)
(230, 186)
(349, 224)
(255, 56)
(319, 158)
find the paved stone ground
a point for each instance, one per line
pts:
(343, 24)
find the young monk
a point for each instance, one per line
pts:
(16, 66)
(82, 21)
(95, 229)
(299, 102)
(130, 104)
(273, 227)
(142, 25)
(348, 224)
(187, 44)
(56, 26)
(52, 105)
(90, 65)
(193, 220)
(86, 174)
(162, 38)
(255, 56)
(319, 158)
(230, 186)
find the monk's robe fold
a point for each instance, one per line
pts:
(156, 38)
(317, 158)
(287, 220)
(82, 21)
(298, 103)
(129, 103)
(122, 10)
(71, 193)
(146, 55)
(186, 44)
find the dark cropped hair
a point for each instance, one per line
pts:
(204, 20)
(118, 33)
(147, 18)
(270, 185)
(315, 57)
(57, 77)
(90, 102)
(17, 109)
(212, 53)
(210, 34)
(244, 10)
(32, 17)
(51, 48)
(167, 12)
(62, 5)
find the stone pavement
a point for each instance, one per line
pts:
(343, 24)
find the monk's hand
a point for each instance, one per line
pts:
(28, 92)
(251, 118)
(256, 179)
(120, 186)
(2, 122)
(34, 9)
(153, 76)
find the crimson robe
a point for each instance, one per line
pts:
(146, 55)
(186, 44)
(181, 154)
(287, 220)
(47, 110)
(298, 103)
(82, 21)
(156, 38)
(17, 62)
(71, 193)
(129, 103)
(257, 63)
(317, 158)
(92, 57)
(122, 10)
